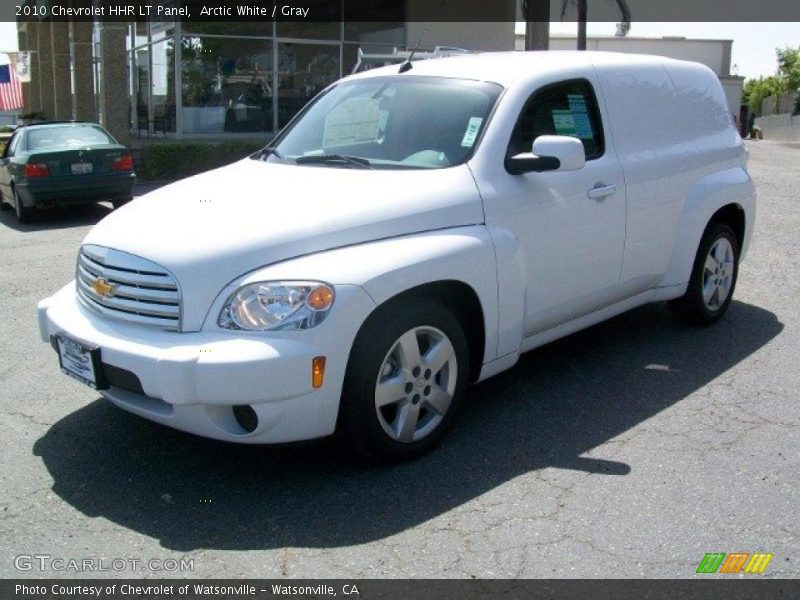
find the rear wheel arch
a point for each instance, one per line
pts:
(733, 216)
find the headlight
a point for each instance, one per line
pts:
(277, 305)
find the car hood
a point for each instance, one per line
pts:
(210, 229)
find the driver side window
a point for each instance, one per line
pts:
(567, 108)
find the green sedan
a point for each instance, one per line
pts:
(56, 164)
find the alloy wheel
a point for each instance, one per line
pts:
(415, 384)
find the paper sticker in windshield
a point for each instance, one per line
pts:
(473, 127)
(355, 121)
(564, 123)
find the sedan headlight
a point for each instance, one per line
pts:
(277, 305)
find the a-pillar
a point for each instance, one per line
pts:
(45, 62)
(84, 102)
(114, 101)
(62, 92)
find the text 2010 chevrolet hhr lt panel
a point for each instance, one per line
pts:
(406, 234)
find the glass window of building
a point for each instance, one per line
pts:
(141, 88)
(304, 70)
(324, 21)
(237, 28)
(163, 107)
(226, 84)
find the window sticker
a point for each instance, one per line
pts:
(564, 122)
(352, 122)
(473, 127)
(580, 116)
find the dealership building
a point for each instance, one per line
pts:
(220, 80)
(154, 80)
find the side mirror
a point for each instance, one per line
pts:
(550, 153)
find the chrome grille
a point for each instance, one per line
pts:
(144, 292)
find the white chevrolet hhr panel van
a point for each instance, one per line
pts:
(409, 232)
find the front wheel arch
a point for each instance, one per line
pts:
(463, 301)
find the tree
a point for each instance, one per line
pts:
(537, 21)
(583, 11)
(789, 67)
(756, 90)
(537, 24)
(787, 79)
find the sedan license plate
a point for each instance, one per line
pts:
(82, 168)
(80, 362)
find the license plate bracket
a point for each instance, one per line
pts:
(80, 361)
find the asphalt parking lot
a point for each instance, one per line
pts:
(627, 450)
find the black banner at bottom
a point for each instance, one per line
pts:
(398, 589)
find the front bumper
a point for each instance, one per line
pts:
(192, 381)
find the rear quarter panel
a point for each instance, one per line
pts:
(682, 158)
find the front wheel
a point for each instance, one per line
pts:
(405, 379)
(713, 280)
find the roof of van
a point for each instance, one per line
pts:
(506, 68)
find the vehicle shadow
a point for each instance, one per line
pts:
(558, 403)
(61, 217)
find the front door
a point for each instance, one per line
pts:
(570, 225)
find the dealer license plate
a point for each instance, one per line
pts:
(82, 168)
(80, 361)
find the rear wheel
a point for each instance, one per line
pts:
(25, 214)
(713, 280)
(405, 379)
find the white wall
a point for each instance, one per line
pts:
(782, 128)
(470, 36)
(734, 88)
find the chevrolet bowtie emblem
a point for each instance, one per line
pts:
(102, 288)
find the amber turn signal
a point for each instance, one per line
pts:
(317, 371)
(320, 298)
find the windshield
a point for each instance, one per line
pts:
(67, 135)
(392, 122)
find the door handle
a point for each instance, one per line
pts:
(601, 190)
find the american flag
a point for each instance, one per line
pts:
(10, 89)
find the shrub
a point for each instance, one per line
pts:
(175, 160)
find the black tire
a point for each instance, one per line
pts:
(691, 307)
(25, 214)
(120, 202)
(360, 425)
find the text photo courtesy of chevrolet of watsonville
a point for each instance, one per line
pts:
(424, 225)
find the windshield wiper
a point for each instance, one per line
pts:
(269, 150)
(327, 159)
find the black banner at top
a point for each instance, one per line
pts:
(397, 11)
